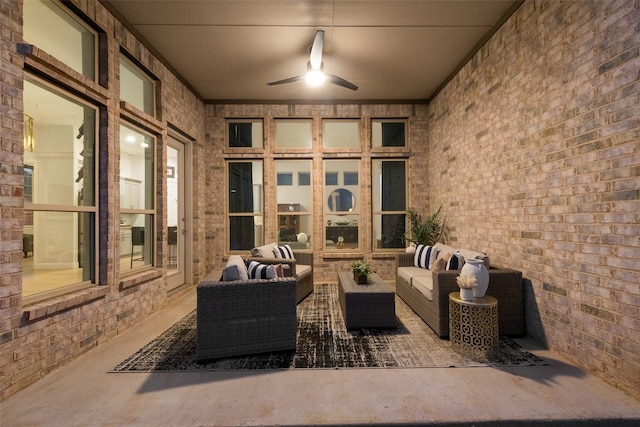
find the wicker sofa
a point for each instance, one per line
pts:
(301, 267)
(427, 292)
(240, 317)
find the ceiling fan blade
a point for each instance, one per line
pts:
(340, 82)
(315, 58)
(289, 80)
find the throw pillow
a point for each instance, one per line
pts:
(241, 267)
(261, 271)
(455, 262)
(425, 256)
(230, 273)
(279, 270)
(439, 265)
(283, 252)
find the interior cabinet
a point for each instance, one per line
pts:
(130, 193)
(288, 225)
(348, 233)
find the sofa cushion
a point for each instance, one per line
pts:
(425, 256)
(261, 271)
(408, 273)
(230, 273)
(241, 269)
(265, 251)
(283, 252)
(424, 285)
(302, 271)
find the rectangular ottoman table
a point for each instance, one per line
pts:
(366, 306)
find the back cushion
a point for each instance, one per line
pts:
(265, 251)
(425, 256)
(455, 262)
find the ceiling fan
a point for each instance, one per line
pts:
(315, 68)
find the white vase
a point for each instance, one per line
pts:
(477, 269)
(466, 294)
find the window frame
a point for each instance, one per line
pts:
(149, 213)
(381, 212)
(257, 239)
(91, 210)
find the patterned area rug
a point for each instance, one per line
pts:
(324, 342)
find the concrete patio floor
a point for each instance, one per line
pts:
(84, 393)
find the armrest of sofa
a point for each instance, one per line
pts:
(404, 260)
(304, 258)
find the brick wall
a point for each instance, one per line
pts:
(325, 265)
(39, 338)
(534, 153)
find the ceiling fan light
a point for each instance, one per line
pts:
(315, 77)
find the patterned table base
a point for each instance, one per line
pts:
(473, 326)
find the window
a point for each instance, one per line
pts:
(285, 178)
(53, 29)
(304, 178)
(351, 178)
(331, 178)
(293, 134)
(244, 133)
(295, 204)
(244, 203)
(342, 207)
(136, 87)
(137, 198)
(388, 133)
(388, 183)
(60, 199)
(341, 134)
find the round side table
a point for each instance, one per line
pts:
(473, 326)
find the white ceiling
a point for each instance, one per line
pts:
(393, 50)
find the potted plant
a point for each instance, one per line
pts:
(428, 232)
(466, 282)
(361, 271)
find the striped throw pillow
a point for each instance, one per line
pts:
(455, 262)
(283, 252)
(261, 271)
(425, 256)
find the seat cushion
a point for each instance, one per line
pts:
(407, 273)
(302, 271)
(424, 285)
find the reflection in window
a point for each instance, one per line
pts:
(136, 87)
(245, 133)
(293, 134)
(388, 133)
(60, 183)
(304, 178)
(294, 205)
(285, 178)
(389, 203)
(341, 133)
(54, 30)
(341, 206)
(245, 205)
(137, 198)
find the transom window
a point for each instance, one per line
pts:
(50, 27)
(244, 133)
(293, 134)
(136, 87)
(388, 133)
